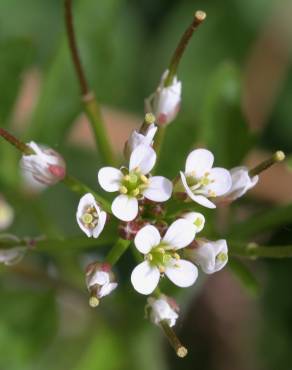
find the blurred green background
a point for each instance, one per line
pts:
(237, 95)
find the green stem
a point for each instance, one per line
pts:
(253, 251)
(277, 157)
(91, 106)
(117, 251)
(78, 187)
(199, 17)
(158, 142)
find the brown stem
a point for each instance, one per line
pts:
(180, 350)
(25, 149)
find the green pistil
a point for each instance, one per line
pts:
(160, 256)
(133, 183)
(87, 218)
(221, 257)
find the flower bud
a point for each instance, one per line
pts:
(100, 281)
(196, 218)
(6, 214)
(211, 256)
(136, 138)
(90, 217)
(44, 168)
(241, 183)
(128, 230)
(165, 102)
(12, 255)
(162, 309)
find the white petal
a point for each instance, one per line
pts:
(107, 289)
(143, 157)
(100, 226)
(109, 178)
(200, 199)
(145, 278)
(147, 238)
(182, 273)
(222, 181)
(200, 161)
(159, 189)
(180, 234)
(241, 182)
(125, 208)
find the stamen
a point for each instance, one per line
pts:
(176, 256)
(144, 179)
(123, 190)
(135, 192)
(161, 269)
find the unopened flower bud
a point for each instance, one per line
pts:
(6, 214)
(162, 309)
(100, 281)
(165, 101)
(136, 138)
(90, 217)
(128, 230)
(211, 256)
(11, 256)
(44, 168)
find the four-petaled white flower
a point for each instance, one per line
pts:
(90, 217)
(161, 257)
(134, 183)
(6, 214)
(161, 309)
(241, 182)
(165, 101)
(100, 281)
(136, 139)
(211, 256)
(196, 218)
(200, 181)
(46, 166)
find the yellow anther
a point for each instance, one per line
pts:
(93, 301)
(222, 257)
(176, 256)
(144, 179)
(161, 269)
(135, 192)
(87, 218)
(127, 178)
(149, 118)
(123, 190)
(161, 250)
(149, 257)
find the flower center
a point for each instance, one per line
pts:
(134, 183)
(161, 255)
(197, 185)
(90, 217)
(221, 257)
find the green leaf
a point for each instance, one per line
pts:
(223, 127)
(244, 275)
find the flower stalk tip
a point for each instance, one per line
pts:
(277, 157)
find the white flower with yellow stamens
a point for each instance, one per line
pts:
(161, 257)
(90, 217)
(211, 256)
(134, 183)
(200, 181)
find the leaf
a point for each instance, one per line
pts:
(223, 127)
(244, 275)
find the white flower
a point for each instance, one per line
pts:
(196, 218)
(45, 167)
(161, 257)
(136, 139)
(134, 184)
(211, 256)
(200, 181)
(165, 102)
(12, 255)
(100, 281)
(241, 182)
(6, 214)
(160, 309)
(90, 217)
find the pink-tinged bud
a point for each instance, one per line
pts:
(128, 230)
(164, 103)
(44, 168)
(100, 281)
